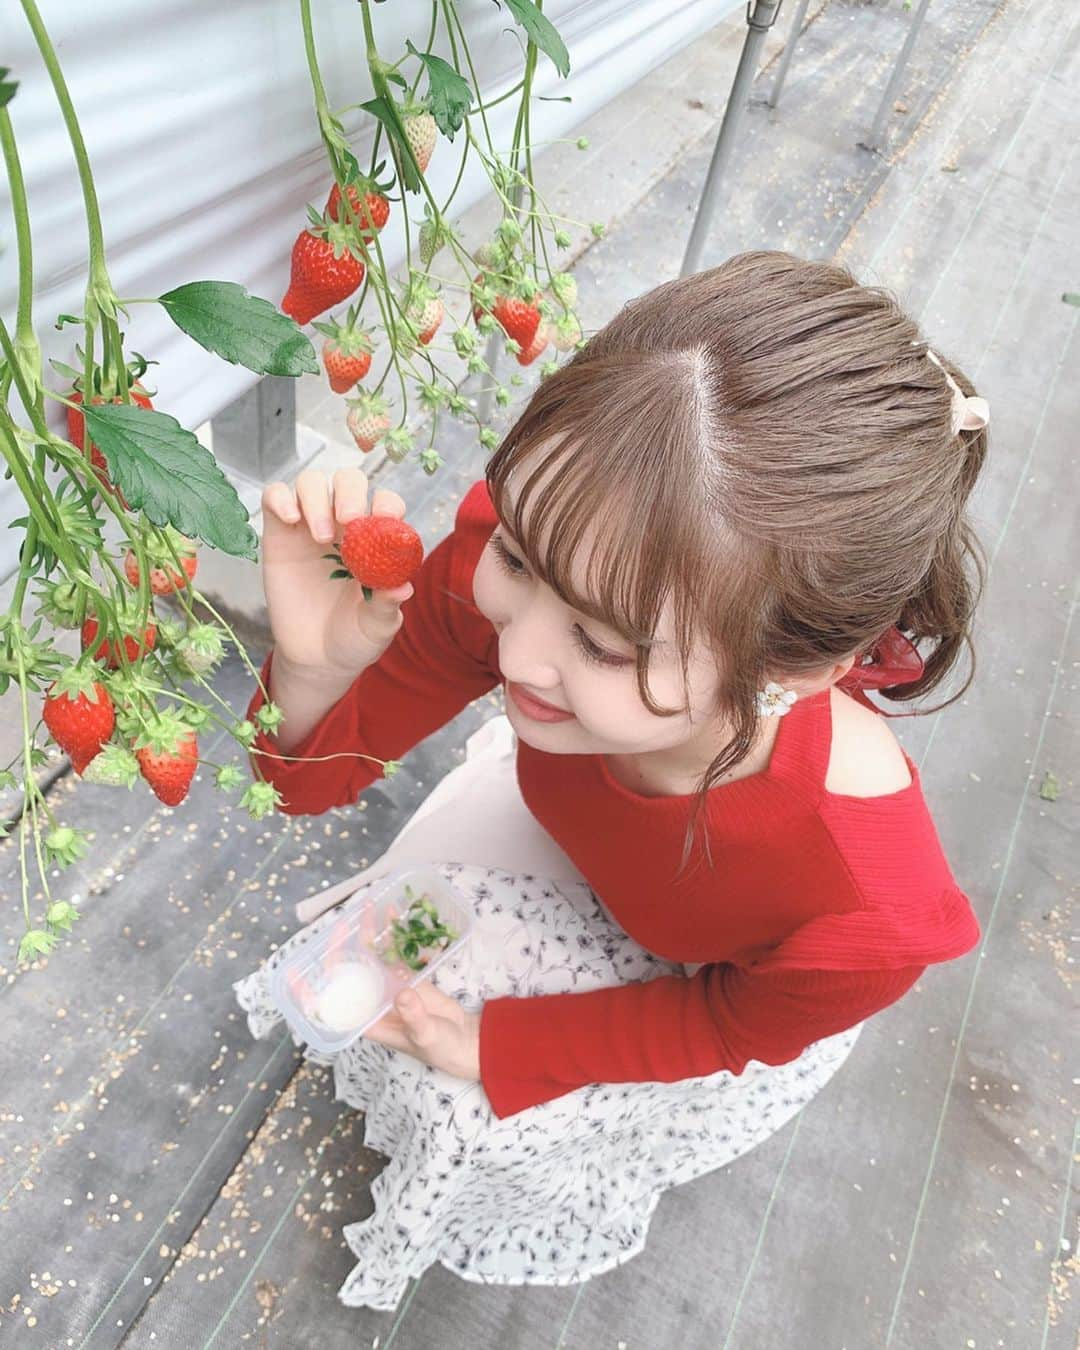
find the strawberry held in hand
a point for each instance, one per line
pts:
(79, 714)
(168, 755)
(381, 552)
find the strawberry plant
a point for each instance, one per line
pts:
(517, 296)
(117, 510)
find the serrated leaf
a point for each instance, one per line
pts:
(387, 114)
(541, 31)
(163, 470)
(244, 329)
(449, 96)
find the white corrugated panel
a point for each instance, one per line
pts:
(199, 122)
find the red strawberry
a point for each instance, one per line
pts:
(77, 436)
(381, 551)
(519, 318)
(368, 420)
(109, 651)
(343, 370)
(529, 354)
(421, 133)
(169, 771)
(323, 273)
(347, 354)
(79, 714)
(163, 579)
(371, 210)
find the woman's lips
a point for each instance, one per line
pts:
(536, 708)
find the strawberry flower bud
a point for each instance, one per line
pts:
(65, 845)
(245, 732)
(270, 717)
(260, 799)
(228, 777)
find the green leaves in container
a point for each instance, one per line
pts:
(449, 96)
(162, 470)
(244, 329)
(541, 31)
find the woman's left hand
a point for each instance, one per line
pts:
(433, 1029)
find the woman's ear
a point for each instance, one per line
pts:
(809, 685)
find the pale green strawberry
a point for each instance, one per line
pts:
(564, 287)
(421, 133)
(368, 420)
(112, 766)
(201, 649)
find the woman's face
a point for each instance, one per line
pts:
(567, 659)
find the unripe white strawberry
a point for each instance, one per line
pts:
(421, 133)
(368, 420)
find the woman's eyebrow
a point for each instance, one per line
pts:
(653, 644)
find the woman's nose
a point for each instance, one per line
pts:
(525, 653)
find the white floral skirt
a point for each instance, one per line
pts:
(562, 1191)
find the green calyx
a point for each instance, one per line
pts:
(64, 846)
(112, 766)
(260, 799)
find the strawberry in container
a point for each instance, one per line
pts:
(339, 981)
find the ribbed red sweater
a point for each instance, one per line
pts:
(819, 909)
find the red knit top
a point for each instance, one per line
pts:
(818, 909)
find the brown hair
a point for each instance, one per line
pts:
(764, 443)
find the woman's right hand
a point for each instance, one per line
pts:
(324, 625)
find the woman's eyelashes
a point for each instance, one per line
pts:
(514, 567)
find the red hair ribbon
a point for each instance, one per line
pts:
(893, 659)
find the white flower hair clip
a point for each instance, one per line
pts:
(969, 411)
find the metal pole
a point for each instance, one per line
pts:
(873, 141)
(758, 24)
(788, 52)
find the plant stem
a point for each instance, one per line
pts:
(78, 145)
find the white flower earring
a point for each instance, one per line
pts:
(774, 700)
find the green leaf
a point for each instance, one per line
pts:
(244, 329)
(448, 94)
(36, 942)
(1071, 298)
(7, 87)
(541, 31)
(1049, 788)
(163, 470)
(387, 114)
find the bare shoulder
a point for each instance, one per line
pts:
(866, 759)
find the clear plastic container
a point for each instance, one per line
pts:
(331, 988)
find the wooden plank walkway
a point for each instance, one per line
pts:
(170, 1182)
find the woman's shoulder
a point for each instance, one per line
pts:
(473, 523)
(865, 758)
